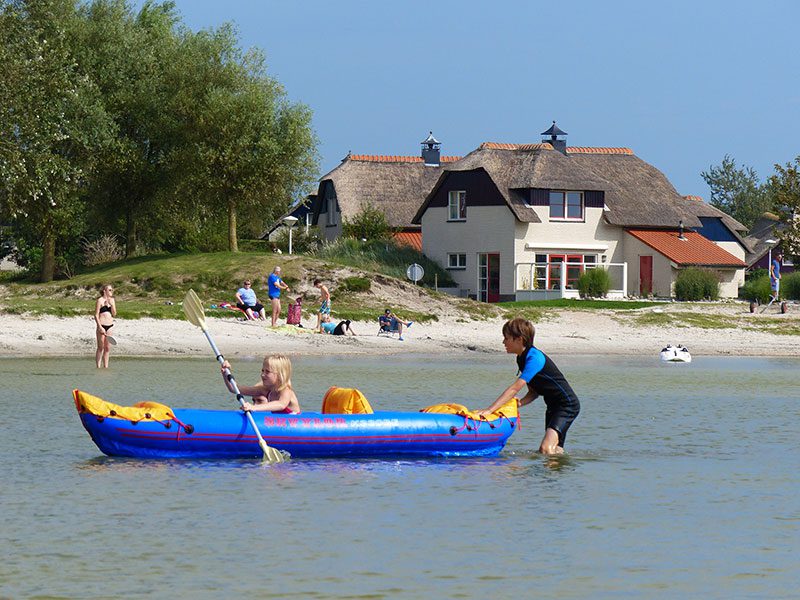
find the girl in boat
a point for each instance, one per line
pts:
(105, 309)
(274, 392)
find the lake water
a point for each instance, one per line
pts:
(681, 481)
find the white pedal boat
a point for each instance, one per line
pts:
(676, 354)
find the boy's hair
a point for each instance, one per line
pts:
(282, 366)
(520, 328)
(317, 282)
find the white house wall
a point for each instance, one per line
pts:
(487, 229)
(662, 269)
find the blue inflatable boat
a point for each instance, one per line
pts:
(152, 430)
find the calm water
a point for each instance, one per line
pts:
(681, 481)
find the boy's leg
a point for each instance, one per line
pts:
(549, 443)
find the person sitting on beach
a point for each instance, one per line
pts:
(390, 322)
(342, 328)
(274, 392)
(247, 302)
(541, 375)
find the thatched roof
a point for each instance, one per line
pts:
(397, 184)
(636, 193)
(767, 227)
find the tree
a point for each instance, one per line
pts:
(737, 191)
(248, 151)
(369, 223)
(52, 125)
(127, 55)
(785, 188)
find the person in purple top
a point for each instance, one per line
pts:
(247, 302)
(541, 375)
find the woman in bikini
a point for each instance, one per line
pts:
(274, 392)
(105, 310)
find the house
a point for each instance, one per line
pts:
(763, 239)
(301, 211)
(397, 185)
(523, 221)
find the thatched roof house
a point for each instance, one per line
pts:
(397, 185)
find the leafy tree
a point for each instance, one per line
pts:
(737, 191)
(785, 187)
(52, 126)
(248, 151)
(127, 55)
(368, 223)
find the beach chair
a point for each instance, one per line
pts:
(388, 330)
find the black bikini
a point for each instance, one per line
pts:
(107, 327)
(108, 310)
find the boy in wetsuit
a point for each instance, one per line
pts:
(542, 376)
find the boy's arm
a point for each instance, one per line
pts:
(507, 395)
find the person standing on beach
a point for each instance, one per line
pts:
(542, 376)
(324, 303)
(275, 285)
(105, 309)
(775, 274)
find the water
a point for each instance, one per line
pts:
(681, 481)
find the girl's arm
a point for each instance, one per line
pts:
(113, 307)
(507, 395)
(273, 405)
(97, 307)
(245, 390)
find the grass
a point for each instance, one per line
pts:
(686, 319)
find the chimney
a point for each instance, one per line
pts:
(430, 151)
(554, 132)
(680, 230)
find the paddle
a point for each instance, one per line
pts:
(195, 314)
(111, 340)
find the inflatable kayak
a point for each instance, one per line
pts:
(675, 354)
(153, 430)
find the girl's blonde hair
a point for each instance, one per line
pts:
(520, 328)
(104, 288)
(282, 366)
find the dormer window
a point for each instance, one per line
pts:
(566, 206)
(457, 205)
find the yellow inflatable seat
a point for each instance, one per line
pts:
(345, 401)
(142, 411)
(509, 410)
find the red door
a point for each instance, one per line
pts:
(645, 275)
(493, 287)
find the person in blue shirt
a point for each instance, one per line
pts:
(247, 302)
(276, 284)
(541, 375)
(342, 328)
(775, 274)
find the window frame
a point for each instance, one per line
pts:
(564, 205)
(460, 265)
(457, 199)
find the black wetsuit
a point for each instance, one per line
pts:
(542, 375)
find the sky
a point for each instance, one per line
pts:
(680, 83)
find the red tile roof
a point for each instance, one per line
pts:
(409, 238)
(698, 198)
(383, 158)
(546, 146)
(598, 150)
(694, 250)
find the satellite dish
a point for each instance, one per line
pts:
(415, 272)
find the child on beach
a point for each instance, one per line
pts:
(542, 376)
(274, 392)
(324, 303)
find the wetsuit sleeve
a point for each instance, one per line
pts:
(534, 363)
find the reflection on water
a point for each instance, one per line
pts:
(678, 481)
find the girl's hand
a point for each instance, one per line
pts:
(225, 365)
(246, 406)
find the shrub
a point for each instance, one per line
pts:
(697, 284)
(756, 288)
(104, 249)
(790, 286)
(368, 224)
(594, 283)
(302, 243)
(355, 284)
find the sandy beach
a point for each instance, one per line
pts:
(568, 332)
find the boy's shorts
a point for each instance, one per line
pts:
(560, 419)
(325, 308)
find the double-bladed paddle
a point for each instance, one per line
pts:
(193, 309)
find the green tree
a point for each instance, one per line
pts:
(368, 223)
(248, 151)
(127, 55)
(785, 188)
(737, 191)
(52, 126)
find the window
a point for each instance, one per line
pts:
(541, 272)
(331, 207)
(456, 261)
(457, 206)
(548, 269)
(566, 206)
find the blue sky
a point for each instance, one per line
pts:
(681, 83)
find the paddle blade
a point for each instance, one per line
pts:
(193, 309)
(111, 340)
(272, 455)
